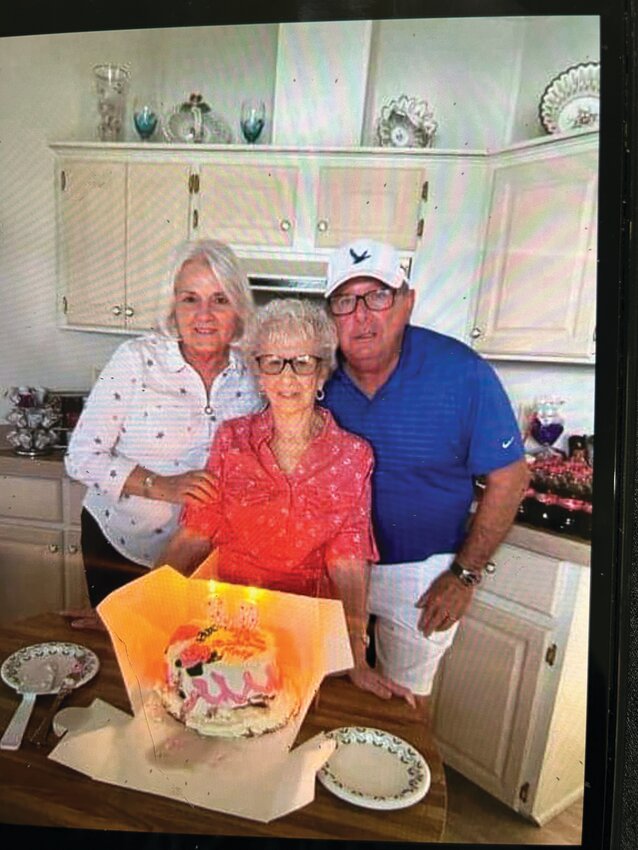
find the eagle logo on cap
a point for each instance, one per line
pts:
(359, 258)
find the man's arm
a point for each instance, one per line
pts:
(447, 598)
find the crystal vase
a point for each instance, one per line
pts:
(111, 85)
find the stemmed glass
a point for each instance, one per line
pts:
(145, 117)
(252, 119)
(547, 425)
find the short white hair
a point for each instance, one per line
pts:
(283, 318)
(226, 267)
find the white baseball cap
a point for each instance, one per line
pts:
(364, 258)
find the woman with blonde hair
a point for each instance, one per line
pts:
(145, 433)
(292, 505)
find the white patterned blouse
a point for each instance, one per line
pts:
(149, 407)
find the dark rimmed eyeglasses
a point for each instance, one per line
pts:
(303, 364)
(376, 300)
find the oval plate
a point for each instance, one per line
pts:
(26, 669)
(374, 769)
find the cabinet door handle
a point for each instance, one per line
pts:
(129, 311)
(73, 549)
(322, 226)
(53, 548)
(490, 568)
(285, 225)
(116, 310)
(475, 333)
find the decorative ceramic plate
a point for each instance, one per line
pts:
(406, 123)
(571, 101)
(374, 769)
(181, 126)
(41, 668)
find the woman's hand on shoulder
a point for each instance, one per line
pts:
(366, 678)
(196, 487)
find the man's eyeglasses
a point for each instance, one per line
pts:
(376, 300)
(303, 364)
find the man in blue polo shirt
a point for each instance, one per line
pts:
(436, 415)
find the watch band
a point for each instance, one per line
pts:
(147, 483)
(470, 578)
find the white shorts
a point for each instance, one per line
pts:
(404, 654)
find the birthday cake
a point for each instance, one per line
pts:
(226, 681)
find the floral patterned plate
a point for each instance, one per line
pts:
(374, 769)
(571, 102)
(31, 667)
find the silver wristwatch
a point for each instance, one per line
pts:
(470, 578)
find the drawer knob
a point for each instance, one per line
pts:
(475, 333)
(117, 310)
(490, 568)
(129, 311)
(285, 225)
(53, 548)
(73, 549)
(322, 225)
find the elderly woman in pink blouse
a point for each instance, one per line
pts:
(292, 510)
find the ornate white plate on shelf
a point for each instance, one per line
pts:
(406, 123)
(374, 769)
(571, 101)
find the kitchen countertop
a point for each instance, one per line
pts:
(558, 546)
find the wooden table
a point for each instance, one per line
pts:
(40, 792)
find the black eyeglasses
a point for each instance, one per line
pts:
(303, 364)
(376, 300)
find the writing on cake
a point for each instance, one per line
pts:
(226, 681)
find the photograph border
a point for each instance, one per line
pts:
(610, 777)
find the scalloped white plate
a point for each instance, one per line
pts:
(30, 667)
(374, 769)
(571, 102)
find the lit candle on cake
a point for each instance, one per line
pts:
(248, 611)
(216, 607)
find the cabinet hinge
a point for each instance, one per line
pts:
(550, 655)
(193, 184)
(424, 191)
(524, 792)
(63, 180)
(65, 305)
(419, 227)
(195, 219)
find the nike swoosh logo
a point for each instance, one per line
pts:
(507, 443)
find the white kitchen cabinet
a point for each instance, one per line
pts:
(372, 201)
(31, 571)
(41, 566)
(158, 200)
(249, 204)
(122, 208)
(92, 240)
(118, 222)
(509, 701)
(538, 277)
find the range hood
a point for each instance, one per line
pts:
(274, 274)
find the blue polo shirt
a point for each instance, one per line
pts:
(441, 418)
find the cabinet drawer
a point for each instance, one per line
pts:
(527, 578)
(31, 498)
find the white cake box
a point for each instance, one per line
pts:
(260, 778)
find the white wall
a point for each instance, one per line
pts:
(483, 78)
